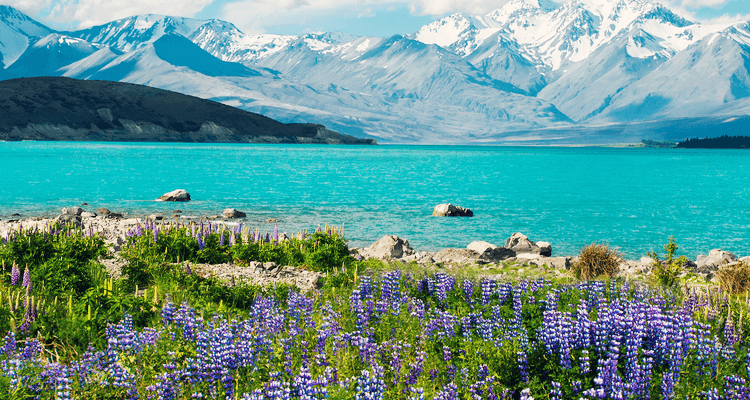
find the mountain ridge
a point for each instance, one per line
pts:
(529, 65)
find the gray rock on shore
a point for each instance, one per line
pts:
(264, 274)
(458, 256)
(716, 258)
(175, 195)
(489, 252)
(69, 219)
(450, 210)
(388, 247)
(520, 243)
(563, 263)
(232, 213)
(104, 212)
(75, 210)
(545, 248)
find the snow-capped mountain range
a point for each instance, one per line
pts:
(530, 65)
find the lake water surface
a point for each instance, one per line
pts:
(631, 198)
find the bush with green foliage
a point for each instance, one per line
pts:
(667, 272)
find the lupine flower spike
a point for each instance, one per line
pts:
(27, 279)
(15, 275)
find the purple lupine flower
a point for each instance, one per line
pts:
(156, 233)
(523, 366)
(221, 239)
(370, 385)
(15, 275)
(555, 393)
(449, 392)
(27, 283)
(188, 270)
(416, 394)
(276, 233)
(468, 287)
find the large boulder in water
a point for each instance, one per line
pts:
(387, 247)
(175, 195)
(450, 210)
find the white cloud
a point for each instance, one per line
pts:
(440, 7)
(698, 3)
(368, 12)
(255, 15)
(30, 7)
(93, 12)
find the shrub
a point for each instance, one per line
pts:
(666, 272)
(597, 260)
(735, 278)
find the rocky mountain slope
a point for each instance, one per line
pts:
(53, 108)
(530, 65)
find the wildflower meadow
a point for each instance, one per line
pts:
(372, 330)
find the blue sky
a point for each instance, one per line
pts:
(360, 17)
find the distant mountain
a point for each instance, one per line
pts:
(710, 75)
(17, 31)
(318, 78)
(49, 55)
(49, 108)
(571, 68)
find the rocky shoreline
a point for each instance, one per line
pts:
(518, 251)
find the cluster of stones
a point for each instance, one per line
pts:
(518, 248)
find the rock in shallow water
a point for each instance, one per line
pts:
(450, 210)
(175, 195)
(233, 213)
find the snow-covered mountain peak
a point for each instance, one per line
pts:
(519, 10)
(446, 31)
(332, 37)
(739, 32)
(133, 32)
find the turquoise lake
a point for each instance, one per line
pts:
(633, 199)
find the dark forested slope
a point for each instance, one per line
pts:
(54, 108)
